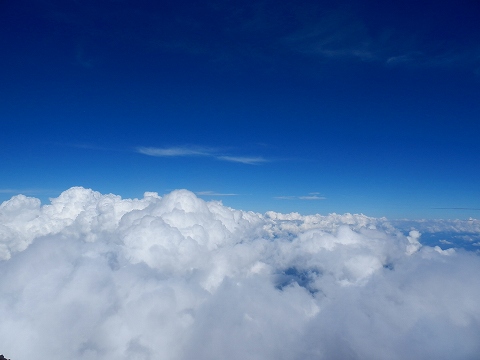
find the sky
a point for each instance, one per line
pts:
(307, 106)
(239, 179)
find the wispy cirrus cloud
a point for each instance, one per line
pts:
(344, 34)
(176, 151)
(310, 196)
(243, 159)
(186, 151)
(24, 191)
(455, 208)
(213, 193)
(9, 191)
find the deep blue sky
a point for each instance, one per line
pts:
(311, 106)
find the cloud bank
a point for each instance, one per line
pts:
(94, 276)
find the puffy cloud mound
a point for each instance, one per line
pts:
(94, 276)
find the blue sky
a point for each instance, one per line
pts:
(311, 106)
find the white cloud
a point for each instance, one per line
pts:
(93, 276)
(175, 151)
(213, 193)
(199, 151)
(445, 242)
(243, 159)
(10, 191)
(23, 191)
(439, 225)
(311, 196)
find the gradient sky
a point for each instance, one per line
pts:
(310, 106)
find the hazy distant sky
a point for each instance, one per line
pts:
(312, 106)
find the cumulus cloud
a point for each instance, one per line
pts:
(199, 151)
(93, 275)
(460, 233)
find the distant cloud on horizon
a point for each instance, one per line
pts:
(455, 208)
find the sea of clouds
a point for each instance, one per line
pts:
(93, 276)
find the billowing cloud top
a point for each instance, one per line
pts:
(92, 276)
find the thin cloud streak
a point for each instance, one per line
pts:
(213, 193)
(184, 151)
(344, 35)
(243, 160)
(10, 191)
(174, 151)
(455, 208)
(311, 196)
(23, 191)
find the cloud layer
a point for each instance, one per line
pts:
(93, 276)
